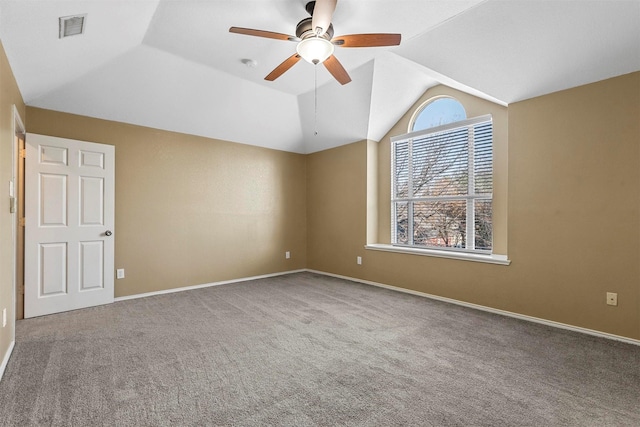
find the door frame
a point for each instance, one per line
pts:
(17, 177)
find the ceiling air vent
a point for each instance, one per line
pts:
(72, 25)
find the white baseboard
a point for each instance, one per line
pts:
(490, 310)
(382, 285)
(205, 285)
(5, 360)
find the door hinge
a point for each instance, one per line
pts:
(23, 153)
(22, 222)
(21, 290)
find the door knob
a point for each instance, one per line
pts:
(108, 233)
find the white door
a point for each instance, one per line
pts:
(69, 224)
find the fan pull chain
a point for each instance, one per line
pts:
(315, 99)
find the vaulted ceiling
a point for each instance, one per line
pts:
(173, 65)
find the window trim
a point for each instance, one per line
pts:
(456, 253)
(439, 253)
(448, 126)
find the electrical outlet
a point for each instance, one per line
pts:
(287, 255)
(612, 298)
(359, 260)
(4, 317)
(120, 273)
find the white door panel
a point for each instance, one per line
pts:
(69, 206)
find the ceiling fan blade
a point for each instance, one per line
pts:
(367, 40)
(337, 70)
(261, 33)
(322, 15)
(282, 68)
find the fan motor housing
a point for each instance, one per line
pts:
(304, 29)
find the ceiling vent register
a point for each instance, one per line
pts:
(72, 25)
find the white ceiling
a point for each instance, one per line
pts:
(172, 64)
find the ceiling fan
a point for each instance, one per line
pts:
(316, 42)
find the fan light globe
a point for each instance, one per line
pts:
(315, 49)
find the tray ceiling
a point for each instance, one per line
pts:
(173, 64)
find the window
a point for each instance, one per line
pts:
(442, 185)
(437, 112)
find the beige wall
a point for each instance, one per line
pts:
(9, 96)
(574, 201)
(572, 212)
(337, 209)
(192, 210)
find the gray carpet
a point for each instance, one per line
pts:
(310, 350)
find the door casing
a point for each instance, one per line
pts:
(18, 231)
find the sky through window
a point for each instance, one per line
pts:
(438, 112)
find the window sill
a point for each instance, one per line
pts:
(462, 256)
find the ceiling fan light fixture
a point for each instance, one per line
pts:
(315, 49)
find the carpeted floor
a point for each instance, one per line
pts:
(309, 350)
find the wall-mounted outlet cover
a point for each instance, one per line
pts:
(287, 255)
(359, 260)
(612, 298)
(120, 273)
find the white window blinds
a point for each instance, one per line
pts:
(442, 186)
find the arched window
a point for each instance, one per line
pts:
(437, 112)
(442, 174)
